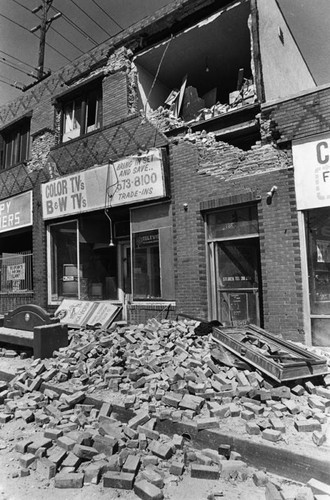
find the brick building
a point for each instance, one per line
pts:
(156, 172)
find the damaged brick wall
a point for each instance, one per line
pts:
(301, 116)
(214, 175)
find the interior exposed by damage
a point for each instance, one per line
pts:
(204, 72)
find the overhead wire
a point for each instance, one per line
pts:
(51, 26)
(4, 61)
(26, 29)
(107, 14)
(15, 84)
(19, 60)
(89, 17)
(81, 31)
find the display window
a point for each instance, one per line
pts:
(16, 259)
(152, 253)
(318, 256)
(82, 262)
(146, 275)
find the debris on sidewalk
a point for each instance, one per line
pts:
(161, 370)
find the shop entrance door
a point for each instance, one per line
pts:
(237, 282)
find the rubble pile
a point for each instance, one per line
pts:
(154, 372)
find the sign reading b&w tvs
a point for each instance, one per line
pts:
(130, 180)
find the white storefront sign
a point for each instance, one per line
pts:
(311, 160)
(130, 180)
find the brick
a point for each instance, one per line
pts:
(252, 428)
(177, 468)
(277, 424)
(272, 493)
(260, 478)
(26, 460)
(224, 449)
(139, 419)
(204, 471)
(322, 392)
(120, 480)
(84, 452)
(46, 468)
(291, 406)
(66, 443)
(318, 487)
(161, 450)
(39, 442)
(308, 425)
(191, 402)
(172, 399)
(132, 464)
(57, 455)
(5, 417)
(152, 477)
(319, 438)
(92, 473)
(147, 491)
(231, 466)
(105, 444)
(207, 423)
(53, 434)
(69, 480)
(21, 446)
(271, 435)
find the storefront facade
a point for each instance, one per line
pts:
(312, 182)
(109, 233)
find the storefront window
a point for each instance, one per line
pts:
(318, 245)
(83, 263)
(146, 275)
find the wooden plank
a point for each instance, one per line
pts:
(297, 362)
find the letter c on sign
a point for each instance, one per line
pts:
(322, 158)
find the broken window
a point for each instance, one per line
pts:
(202, 72)
(81, 114)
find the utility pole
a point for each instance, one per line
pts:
(43, 27)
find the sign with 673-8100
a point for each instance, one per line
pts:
(136, 178)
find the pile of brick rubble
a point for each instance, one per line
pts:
(157, 371)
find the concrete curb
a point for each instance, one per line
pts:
(276, 460)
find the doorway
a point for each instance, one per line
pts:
(237, 282)
(234, 266)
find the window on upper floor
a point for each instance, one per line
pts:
(14, 143)
(81, 114)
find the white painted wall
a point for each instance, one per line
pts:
(284, 69)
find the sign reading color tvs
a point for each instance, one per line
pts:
(16, 212)
(130, 180)
(311, 159)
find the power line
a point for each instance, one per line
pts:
(16, 59)
(107, 14)
(26, 29)
(55, 30)
(89, 17)
(15, 84)
(3, 60)
(75, 26)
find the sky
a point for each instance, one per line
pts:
(98, 20)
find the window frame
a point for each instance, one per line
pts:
(15, 143)
(83, 97)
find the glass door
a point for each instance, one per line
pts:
(237, 281)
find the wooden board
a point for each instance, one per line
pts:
(277, 358)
